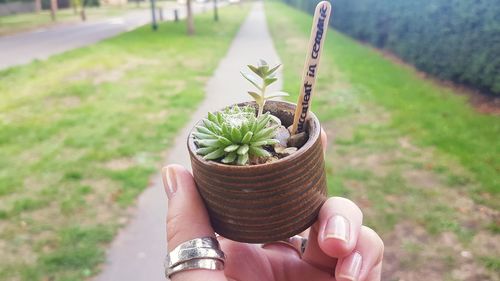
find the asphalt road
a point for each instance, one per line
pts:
(24, 47)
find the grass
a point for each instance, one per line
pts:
(415, 156)
(22, 22)
(81, 133)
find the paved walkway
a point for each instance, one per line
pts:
(24, 47)
(138, 251)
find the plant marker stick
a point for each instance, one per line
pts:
(318, 35)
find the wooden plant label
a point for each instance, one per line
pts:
(318, 35)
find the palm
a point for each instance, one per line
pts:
(274, 264)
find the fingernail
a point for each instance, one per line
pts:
(351, 267)
(337, 227)
(169, 181)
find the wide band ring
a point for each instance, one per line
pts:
(195, 253)
(195, 264)
(198, 253)
(204, 242)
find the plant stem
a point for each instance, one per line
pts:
(263, 99)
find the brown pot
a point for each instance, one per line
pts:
(266, 202)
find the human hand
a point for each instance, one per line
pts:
(339, 247)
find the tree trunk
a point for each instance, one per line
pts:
(74, 5)
(53, 9)
(38, 6)
(189, 18)
(216, 12)
(83, 15)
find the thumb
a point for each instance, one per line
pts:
(187, 218)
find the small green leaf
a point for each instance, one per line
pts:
(277, 95)
(242, 159)
(272, 70)
(272, 142)
(255, 96)
(252, 79)
(203, 130)
(224, 141)
(212, 118)
(264, 119)
(235, 135)
(208, 142)
(212, 126)
(244, 128)
(214, 155)
(225, 131)
(258, 143)
(205, 150)
(247, 137)
(264, 67)
(266, 133)
(254, 126)
(202, 136)
(220, 119)
(269, 81)
(256, 70)
(231, 148)
(257, 151)
(243, 149)
(229, 158)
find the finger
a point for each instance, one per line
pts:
(187, 218)
(365, 262)
(324, 140)
(335, 233)
(376, 273)
(247, 262)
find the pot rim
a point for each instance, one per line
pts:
(313, 137)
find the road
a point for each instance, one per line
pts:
(24, 47)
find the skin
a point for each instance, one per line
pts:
(326, 257)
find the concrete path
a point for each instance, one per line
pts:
(138, 251)
(24, 47)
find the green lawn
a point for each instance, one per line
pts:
(81, 133)
(22, 22)
(418, 159)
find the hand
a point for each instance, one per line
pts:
(339, 247)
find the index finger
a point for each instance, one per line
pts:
(187, 219)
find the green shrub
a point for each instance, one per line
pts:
(452, 39)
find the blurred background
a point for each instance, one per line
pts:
(93, 94)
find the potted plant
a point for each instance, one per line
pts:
(258, 182)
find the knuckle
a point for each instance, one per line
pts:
(174, 227)
(375, 240)
(181, 227)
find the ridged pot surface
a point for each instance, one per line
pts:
(266, 202)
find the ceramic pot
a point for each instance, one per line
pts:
(266, 202)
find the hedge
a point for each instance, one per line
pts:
(451, 39)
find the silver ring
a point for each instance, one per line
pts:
(297, 243)
(204, 242)
(194, 253)
(195, 264)
(198, 253)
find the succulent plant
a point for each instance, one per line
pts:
(235, 135)
(267, 76)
